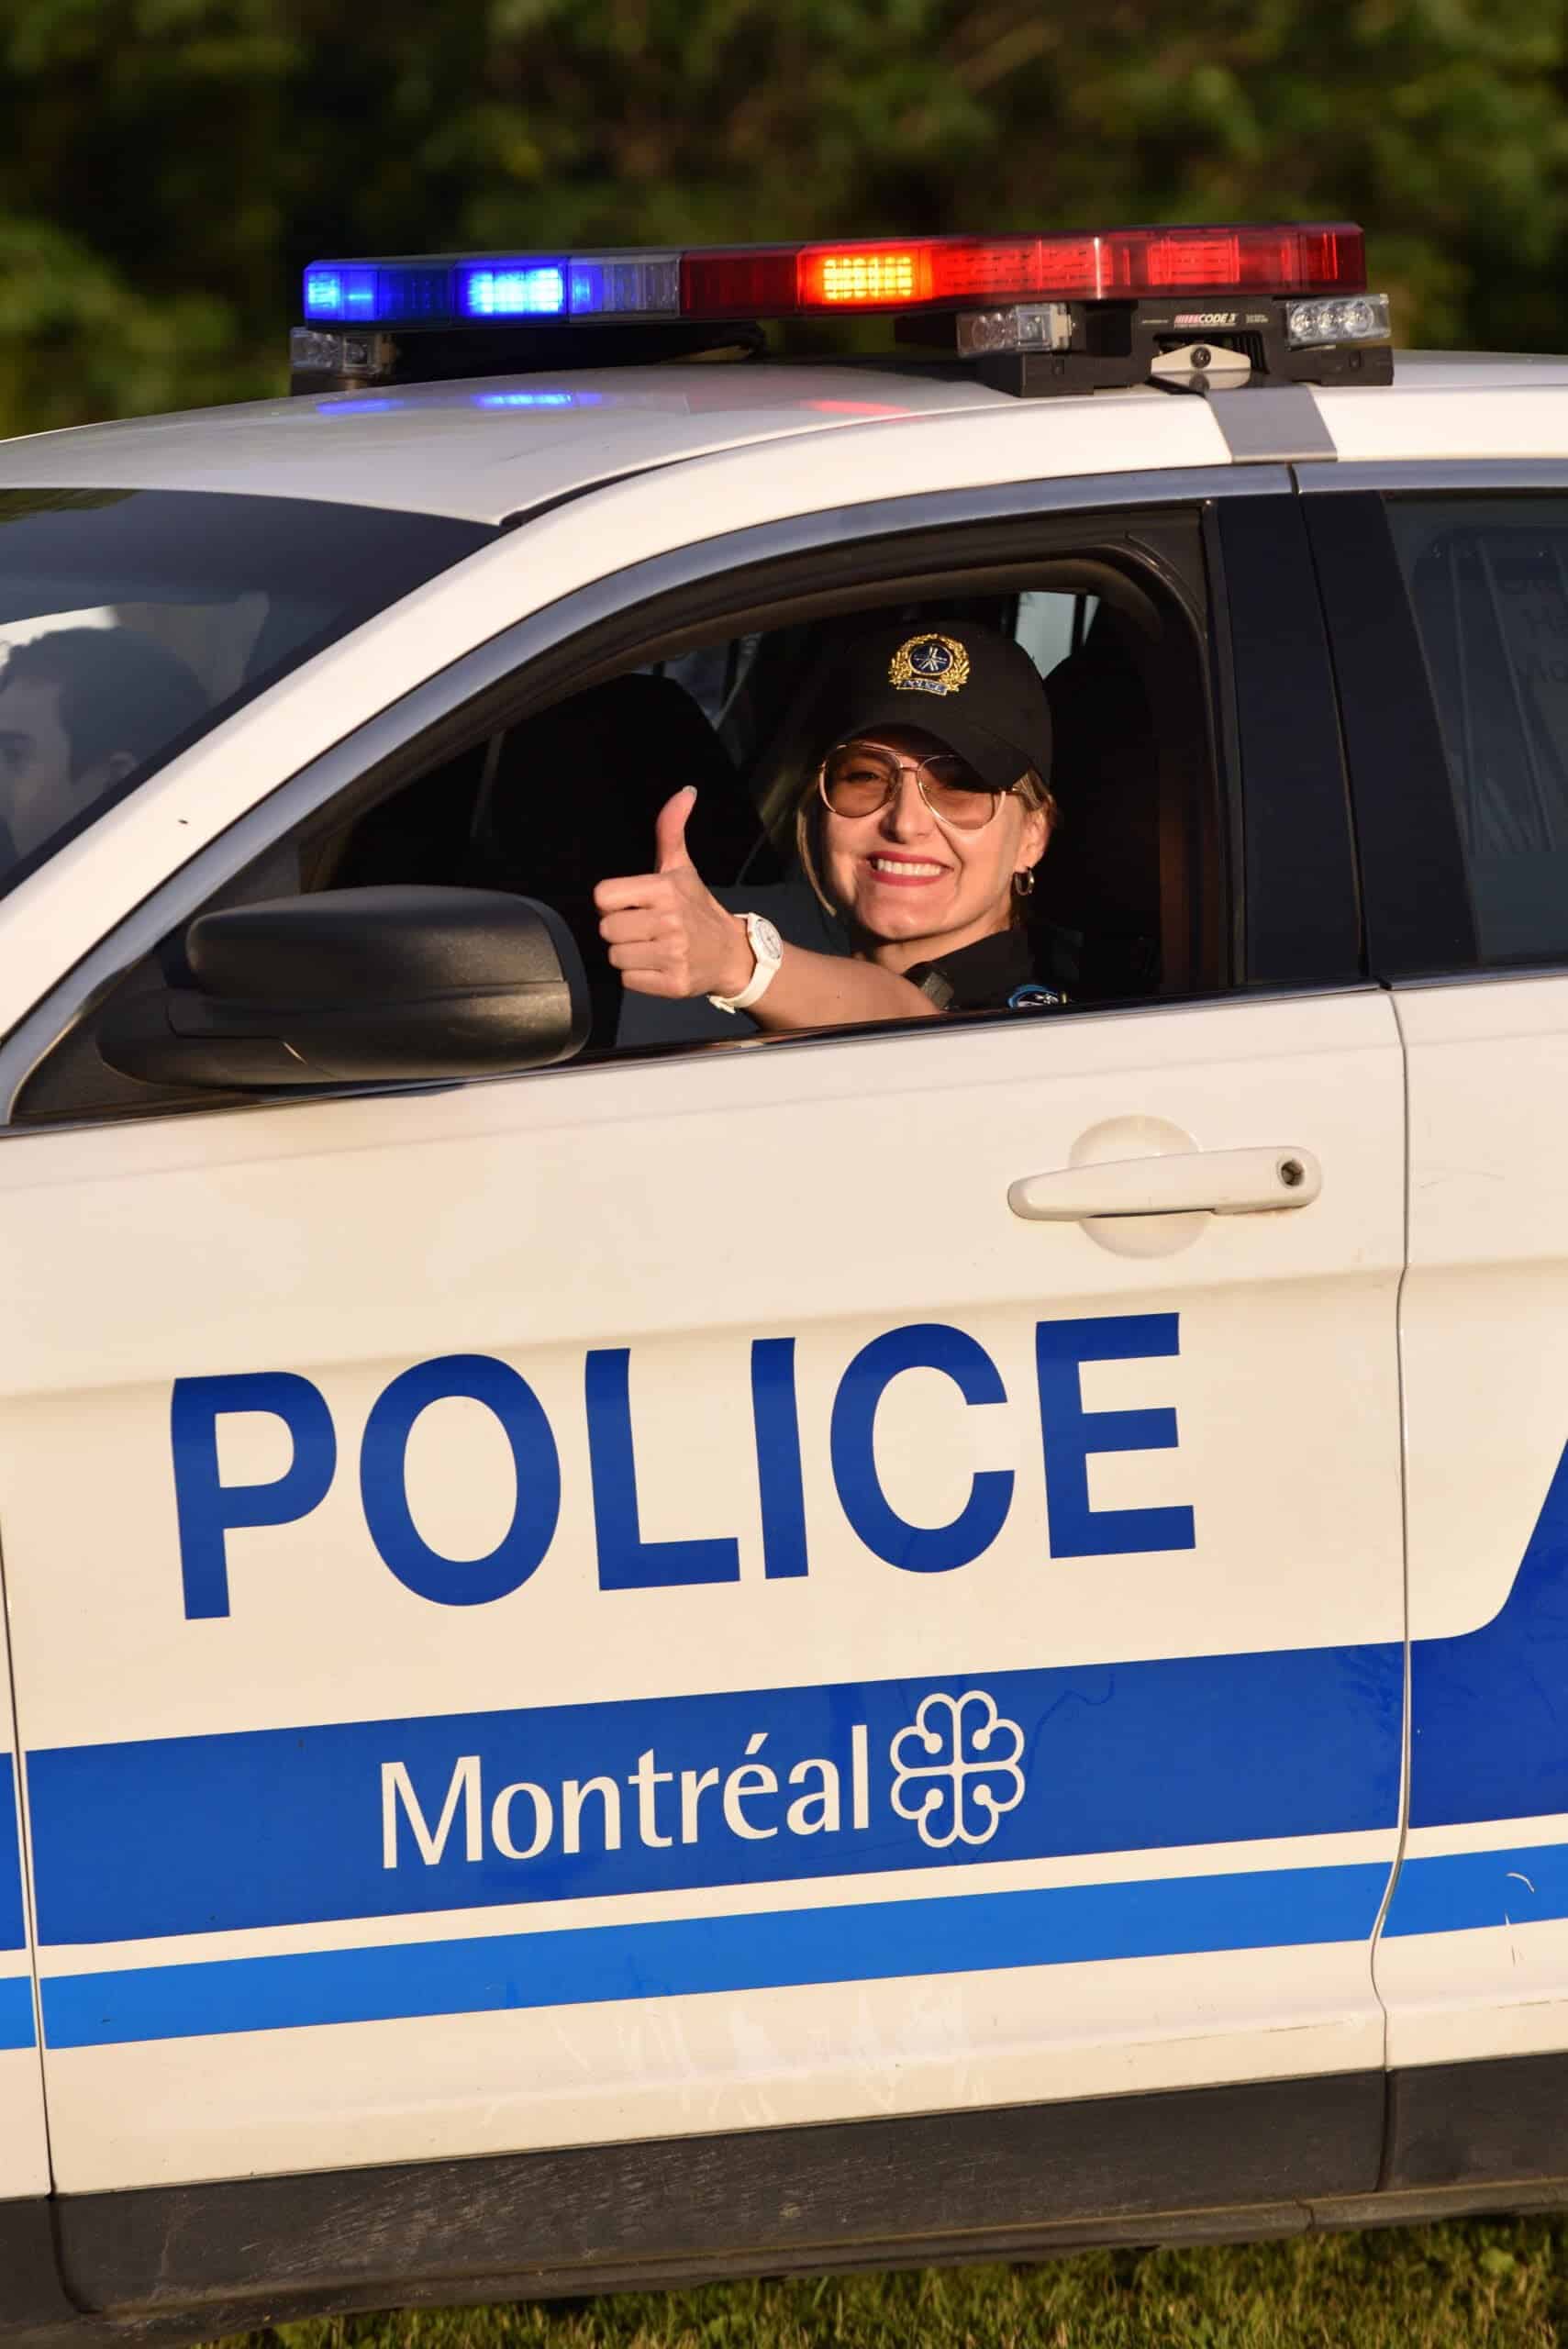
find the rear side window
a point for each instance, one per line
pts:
(1489, 583)
(133, 620)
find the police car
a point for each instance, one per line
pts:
(638, 1651)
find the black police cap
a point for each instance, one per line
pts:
(975, 690)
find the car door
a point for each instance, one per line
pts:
(1448, 594)
(24, 2153)
(671, 1598)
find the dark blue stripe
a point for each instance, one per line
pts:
(16, 2014)
(1455, 1891)
(273, 1827)
(876, 1941)
(1489, 1710)
(12, 1924)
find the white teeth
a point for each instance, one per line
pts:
(898, 864)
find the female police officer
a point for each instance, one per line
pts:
(923, 826)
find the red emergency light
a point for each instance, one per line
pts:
(789, 280)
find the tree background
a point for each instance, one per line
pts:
(167, 167)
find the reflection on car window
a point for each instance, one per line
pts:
(1488, 581)
(1049, 626)
(711, 674)
(131, 621)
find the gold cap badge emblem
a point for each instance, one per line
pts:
(929, 664)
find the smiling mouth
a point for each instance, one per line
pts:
(904, 870)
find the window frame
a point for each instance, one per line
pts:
(1414, 891)
(847, 553)
(1299, 910)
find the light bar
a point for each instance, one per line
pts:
(793, 281)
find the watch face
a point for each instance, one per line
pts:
(766, 943)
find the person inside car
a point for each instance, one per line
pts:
(81, 708)
(922, 826)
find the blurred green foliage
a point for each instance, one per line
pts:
(1477, 2284)
(168, 166)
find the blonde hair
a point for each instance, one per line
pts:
(1030, 787)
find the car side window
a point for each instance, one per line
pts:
(568, 796)
(545, 797)
(1488, 584)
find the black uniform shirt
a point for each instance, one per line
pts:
(997, 974)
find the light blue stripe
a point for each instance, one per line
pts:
(876, 1941)
(17, 2013)
(1453, 1892)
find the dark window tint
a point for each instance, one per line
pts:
(131, 621)
(1488, 581)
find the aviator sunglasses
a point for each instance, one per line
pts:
(860, 778)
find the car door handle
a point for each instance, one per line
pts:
(1184, 1182)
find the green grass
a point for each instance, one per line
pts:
(1482, 2284)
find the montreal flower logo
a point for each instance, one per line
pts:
(956, 1769)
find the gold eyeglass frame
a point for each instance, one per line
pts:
(901, 767)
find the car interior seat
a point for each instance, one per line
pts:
(573, 791)
(571, 799)
(422, 832)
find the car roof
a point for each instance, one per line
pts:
(494, 447)
(481, 450)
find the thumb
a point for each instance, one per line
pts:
(670, 830)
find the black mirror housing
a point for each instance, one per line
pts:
(359, 987)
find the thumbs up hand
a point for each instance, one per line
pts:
(667, 935)
(670, 833)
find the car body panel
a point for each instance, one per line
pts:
(234, 1983)
(586, 1998)
(1475, 1959)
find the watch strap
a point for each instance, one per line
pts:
(761, 975)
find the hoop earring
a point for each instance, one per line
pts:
(1023, 882)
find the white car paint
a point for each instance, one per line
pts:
(539, 1218)
(366, 1236)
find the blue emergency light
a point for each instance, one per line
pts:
(492, 289)
(531, 290)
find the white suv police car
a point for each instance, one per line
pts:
(638, 1651)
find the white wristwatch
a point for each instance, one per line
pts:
(767, 946)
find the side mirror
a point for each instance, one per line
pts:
(357, 986)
